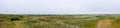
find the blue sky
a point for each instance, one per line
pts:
(59, 6)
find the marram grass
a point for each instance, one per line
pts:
(56, 21)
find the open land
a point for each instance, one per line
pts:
(60, 21)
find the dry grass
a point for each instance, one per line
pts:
(63, 21)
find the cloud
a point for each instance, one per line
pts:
(59, 6)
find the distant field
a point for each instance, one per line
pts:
(60, 21)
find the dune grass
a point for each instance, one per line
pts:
(63, 21)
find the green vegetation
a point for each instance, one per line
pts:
(55, 21)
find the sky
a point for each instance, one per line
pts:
(59, 6)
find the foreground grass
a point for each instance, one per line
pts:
(21, 21)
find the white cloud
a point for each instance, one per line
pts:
(58, 6)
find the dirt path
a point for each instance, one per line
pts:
(104, 24)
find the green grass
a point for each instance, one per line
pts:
(60, 21)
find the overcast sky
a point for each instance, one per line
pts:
(59, 6)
